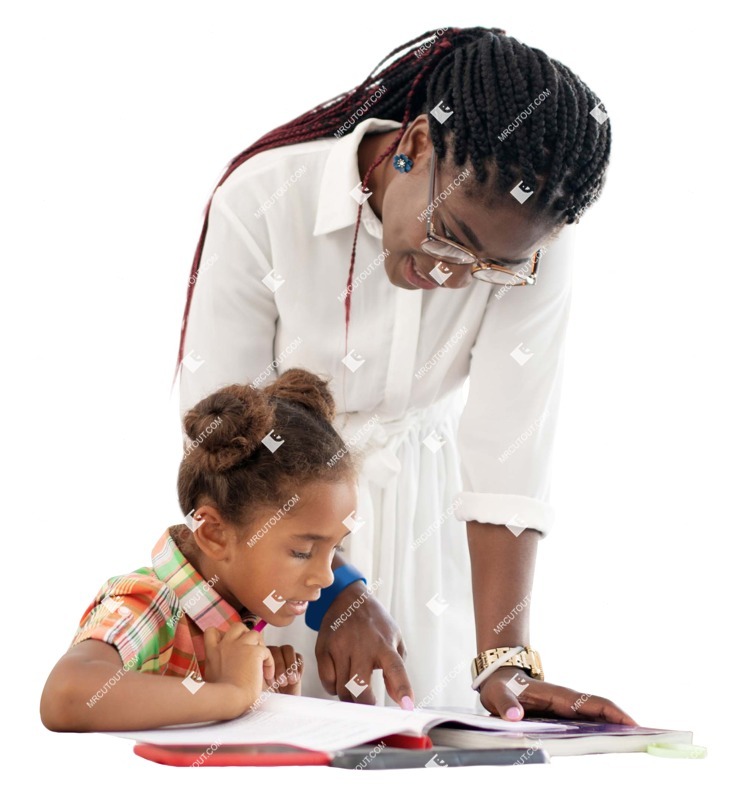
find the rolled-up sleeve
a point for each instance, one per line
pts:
(507, 428)
(137, 614)
(233, 314)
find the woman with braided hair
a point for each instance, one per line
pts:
(331, 244)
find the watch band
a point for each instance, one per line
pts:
(493, 667)
(526, 659)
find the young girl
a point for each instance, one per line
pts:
(266, 485)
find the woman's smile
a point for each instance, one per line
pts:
(414, 276)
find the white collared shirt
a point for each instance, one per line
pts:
(269, 296)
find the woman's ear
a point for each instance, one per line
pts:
(417, 142)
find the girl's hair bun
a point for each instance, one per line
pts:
(228, 425)
(226, 464)
(306, 389)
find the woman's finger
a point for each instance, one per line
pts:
(548, 699)
(552, 700)
(590, 706)
(353, 679)
(396, 678)
(501, 692)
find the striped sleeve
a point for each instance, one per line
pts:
(137, 614)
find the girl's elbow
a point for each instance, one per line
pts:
(51, 716)
(57, 708)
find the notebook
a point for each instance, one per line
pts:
(421, 753)
(580, 738)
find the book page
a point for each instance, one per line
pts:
(317, 724)
(487, 722)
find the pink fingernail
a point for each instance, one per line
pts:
(407, 704)
(514, 713)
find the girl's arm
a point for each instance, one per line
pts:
(88, 689)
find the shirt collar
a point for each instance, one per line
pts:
(336, 207)
(199, 601)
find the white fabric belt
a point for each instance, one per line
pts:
(377, 440)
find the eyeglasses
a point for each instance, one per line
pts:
(453, 253)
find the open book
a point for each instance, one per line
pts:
(325, 725)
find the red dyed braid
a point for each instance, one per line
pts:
(323, 120)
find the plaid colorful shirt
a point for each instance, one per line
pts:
(155, 617)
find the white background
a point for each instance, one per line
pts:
(119, 119)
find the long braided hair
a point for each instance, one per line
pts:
(487, 78)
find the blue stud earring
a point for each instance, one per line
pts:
(402, 163)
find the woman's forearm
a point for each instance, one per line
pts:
(502, 566)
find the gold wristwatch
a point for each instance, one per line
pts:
(528, 660)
